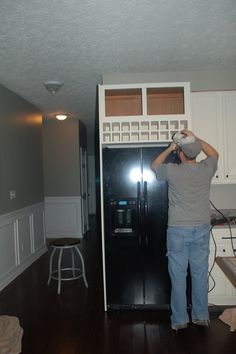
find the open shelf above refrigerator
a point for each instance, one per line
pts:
(143, 113)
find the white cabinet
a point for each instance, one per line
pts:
(143, 113)
(223, 292)
(213, 120)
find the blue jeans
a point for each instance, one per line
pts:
(188, 245)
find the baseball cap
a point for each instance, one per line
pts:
(192, 149)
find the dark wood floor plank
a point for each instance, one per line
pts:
(75, 322)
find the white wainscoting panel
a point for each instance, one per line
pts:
(8, 259)
(63, 217)
(24, 237)
(22, 241)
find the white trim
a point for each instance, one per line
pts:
(14, 273)
(103, 231)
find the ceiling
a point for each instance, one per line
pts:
(77, 41)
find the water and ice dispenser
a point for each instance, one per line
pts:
(123, 218)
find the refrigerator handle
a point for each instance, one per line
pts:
(139, 210)
(145, 209)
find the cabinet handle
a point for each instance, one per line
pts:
(227, 176)
(223, 250)
(217, 176)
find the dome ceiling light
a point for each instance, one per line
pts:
(61, 116)
(53, 86)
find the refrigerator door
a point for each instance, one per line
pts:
(135, 219)
(122, 218)
(157, 282)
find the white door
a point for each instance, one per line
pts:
(84, 190)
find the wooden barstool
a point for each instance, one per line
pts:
(61, 244)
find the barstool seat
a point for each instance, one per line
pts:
(58, 246)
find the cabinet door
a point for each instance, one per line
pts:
(229, 128)
(123, 250)
(217, 279)
(206, 124)
(222, 292)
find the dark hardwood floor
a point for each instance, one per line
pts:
(75, 323)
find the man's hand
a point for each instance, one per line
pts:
(172, 146)
(188, 132)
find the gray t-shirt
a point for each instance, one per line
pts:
(189, 191)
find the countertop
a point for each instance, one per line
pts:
(223, 217)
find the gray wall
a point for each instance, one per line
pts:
(61, 149)
(20, 152)
(200, 80)
(223, 196)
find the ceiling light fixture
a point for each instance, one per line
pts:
(53, 86)
(61, 116)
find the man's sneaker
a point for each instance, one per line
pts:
(203, 323)
(179, 326)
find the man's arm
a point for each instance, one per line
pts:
(162, 156)
(206, 148)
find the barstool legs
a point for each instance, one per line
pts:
(50, 266)
(57, 274)
(83, 268)
(59, 271)
(73, 261)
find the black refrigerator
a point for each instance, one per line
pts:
(135, 224)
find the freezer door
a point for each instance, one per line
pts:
(123, 251)
(157, 282)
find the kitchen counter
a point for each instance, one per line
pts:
(224, 217)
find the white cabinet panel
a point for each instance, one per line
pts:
(213, 120)
(38, 230)
(229, 125)
(24, 237)
(223, 292)
(22, 241)
(7, 246)
(205, 122)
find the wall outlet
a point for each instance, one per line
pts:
(12, 195)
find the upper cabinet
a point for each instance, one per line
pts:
(143, 113)
(213, 120)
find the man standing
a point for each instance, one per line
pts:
(188, 230)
